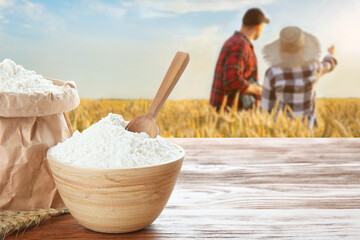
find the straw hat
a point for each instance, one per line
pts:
(293, 48)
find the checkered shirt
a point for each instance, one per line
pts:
(235, 66)
(295, 87)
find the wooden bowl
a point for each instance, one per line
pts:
(115, 200)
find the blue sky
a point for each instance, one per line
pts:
(122, 49)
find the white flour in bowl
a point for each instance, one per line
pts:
(15, 78)
(106, 144)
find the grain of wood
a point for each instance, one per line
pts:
(251, 189)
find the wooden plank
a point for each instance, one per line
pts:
(254, 173)
(324, 224)
(251, 189)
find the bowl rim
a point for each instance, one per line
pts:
(50, 157)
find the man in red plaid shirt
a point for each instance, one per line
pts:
(236, 68)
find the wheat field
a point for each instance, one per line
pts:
(196, 118)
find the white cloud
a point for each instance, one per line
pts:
(27, 25)
(155, 14)
(187, 6)
(30, 14)
(31, 9)
(111, 10)
(26, 8)
(5, 3)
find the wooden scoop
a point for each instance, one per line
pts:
(146, 123)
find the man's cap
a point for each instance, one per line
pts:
(254, 16)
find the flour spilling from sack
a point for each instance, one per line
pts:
(15, 78)
(107, 144)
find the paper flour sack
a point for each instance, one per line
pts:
(32, 119)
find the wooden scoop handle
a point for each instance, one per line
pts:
(172, 76)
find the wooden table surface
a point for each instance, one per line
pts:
(250, 189)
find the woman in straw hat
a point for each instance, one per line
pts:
(294, 72)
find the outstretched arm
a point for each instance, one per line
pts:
(328, 63)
